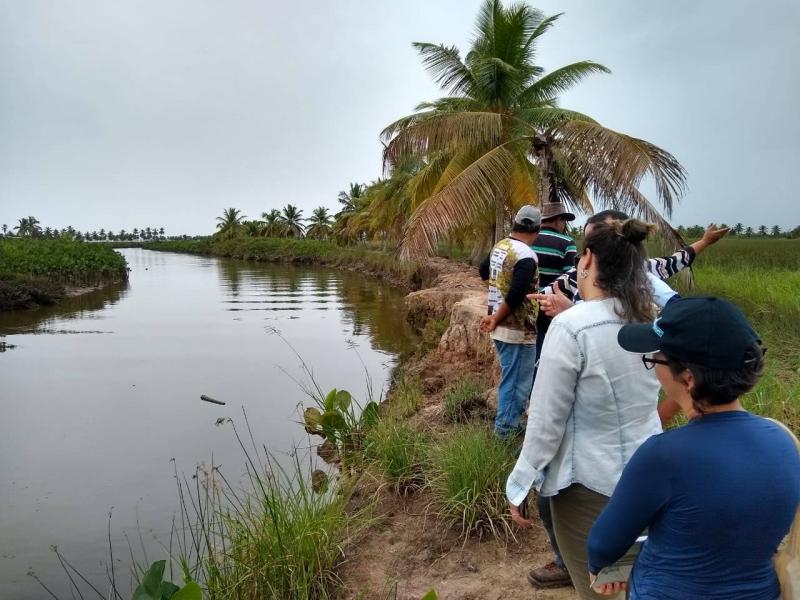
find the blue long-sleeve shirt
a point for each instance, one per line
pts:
(717, 496)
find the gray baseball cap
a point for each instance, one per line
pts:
(528, 217)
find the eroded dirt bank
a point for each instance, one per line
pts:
(407, 547)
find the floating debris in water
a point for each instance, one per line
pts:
(212, 400)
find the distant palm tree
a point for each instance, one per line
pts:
(29, 227)
(738, 229)
(230, 223)
(320, 224)
(252, 228)
(349, 199)
(498, 139)
(5, 229)
(762, 230)
(273, 227)
(136, 233)
(292, 219)
(776, 231)
(161, 231)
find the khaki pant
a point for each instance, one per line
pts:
(575, 510)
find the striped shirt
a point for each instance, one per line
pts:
(662, 267)
(556, 252)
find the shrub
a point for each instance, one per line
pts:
(467, 472)
(464, 400)
(397, 449)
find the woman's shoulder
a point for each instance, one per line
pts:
(585, 314)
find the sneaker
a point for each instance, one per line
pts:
(549, 576)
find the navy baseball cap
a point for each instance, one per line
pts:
(703, 330)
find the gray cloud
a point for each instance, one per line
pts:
(164, 113)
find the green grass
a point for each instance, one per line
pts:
(464, 400)
(406, 397)
(396, 449)
(762, 277)
(276, 538)
(467, 472)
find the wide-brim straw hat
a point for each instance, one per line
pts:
(551, 210)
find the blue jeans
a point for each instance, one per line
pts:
(517, 362)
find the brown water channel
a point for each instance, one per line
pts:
(99, 393)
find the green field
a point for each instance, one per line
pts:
(761, 276)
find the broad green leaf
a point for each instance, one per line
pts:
(333, 420)
(343, 400)
(167, 590)
(431, 595)
(191, 591)
(330, 400)
(151, 582)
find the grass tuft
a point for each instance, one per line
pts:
(397, 450)
(467, 473)
(464, 400)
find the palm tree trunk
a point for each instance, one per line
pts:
(499, 218)
(546, 175)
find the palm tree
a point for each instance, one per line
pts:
(292, 219)
(230, 223)
(320, 224)
(349, 199)
(748, 232)
(161, 232)
(5, 229)
(29, 227)
(738, 229)
(762, 230)
(252, 228)
(503, 141)
(776, 231)
(273, 227)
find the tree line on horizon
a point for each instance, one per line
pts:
(30, 227)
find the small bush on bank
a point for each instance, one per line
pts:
(397, 450)
(464, 400)
(467, 472)
(432, 333)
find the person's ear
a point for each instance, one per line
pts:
(688, 380)
(588, 259)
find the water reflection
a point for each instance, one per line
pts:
(84, 308)
(92, 421)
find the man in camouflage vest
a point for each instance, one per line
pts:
(511, 319)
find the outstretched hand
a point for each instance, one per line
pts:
(552, 304)
(713, 234)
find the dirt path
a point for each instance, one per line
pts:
(408, 547)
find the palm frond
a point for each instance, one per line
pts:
(456, 205)
(544, 117)
(443, 133)
(559, 81)
(614, 164)
(446, 66)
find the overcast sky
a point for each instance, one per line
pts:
(131, 114)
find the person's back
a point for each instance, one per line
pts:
(734, 483)
(611, 389)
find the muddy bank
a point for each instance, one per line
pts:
(19, 293)
(407, 546)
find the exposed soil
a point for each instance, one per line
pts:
(407, 547)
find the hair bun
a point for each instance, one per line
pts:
(635, 231)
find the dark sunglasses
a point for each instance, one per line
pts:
(650, 361)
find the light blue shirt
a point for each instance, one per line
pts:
(593, 405)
